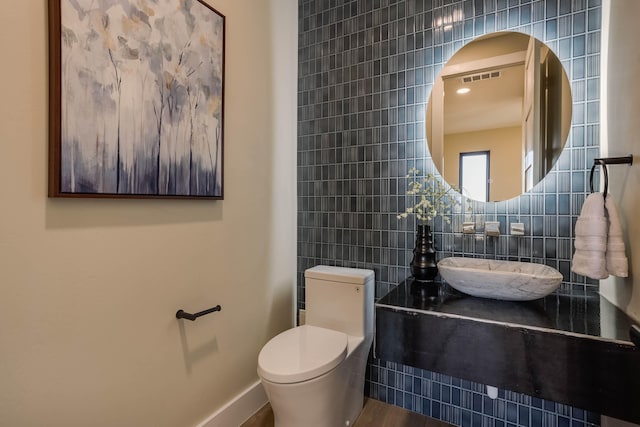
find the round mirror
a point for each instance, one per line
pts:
(498, 116)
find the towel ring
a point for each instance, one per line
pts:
(604, 161)
(597, 162)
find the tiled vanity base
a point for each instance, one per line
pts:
(565, 348)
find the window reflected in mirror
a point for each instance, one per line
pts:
(474, 175)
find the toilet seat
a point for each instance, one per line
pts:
(301, 353)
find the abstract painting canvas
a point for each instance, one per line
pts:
(136, 99)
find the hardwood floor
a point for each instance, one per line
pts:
(374, 414)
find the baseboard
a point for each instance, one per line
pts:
(239, 409)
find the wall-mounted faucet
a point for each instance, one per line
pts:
(492, 228)
(517, 228)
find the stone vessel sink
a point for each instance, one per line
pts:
(504, 280)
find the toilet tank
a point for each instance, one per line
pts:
(340, 298)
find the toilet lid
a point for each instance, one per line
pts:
(301, 353)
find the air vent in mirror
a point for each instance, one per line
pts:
(481, 76)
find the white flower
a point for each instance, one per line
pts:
(433, 197)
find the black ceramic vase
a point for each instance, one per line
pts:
(423, 265)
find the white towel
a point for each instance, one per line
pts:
(591, 243)
(617, 263)
(591, 239)
(592, 226)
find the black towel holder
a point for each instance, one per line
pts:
(181, 314)
(604, 161)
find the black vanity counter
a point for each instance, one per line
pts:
(572, 348)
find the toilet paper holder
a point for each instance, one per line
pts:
(181, 314)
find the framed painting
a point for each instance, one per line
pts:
(136, 99)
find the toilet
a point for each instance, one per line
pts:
(314, 374)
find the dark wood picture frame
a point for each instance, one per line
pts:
(136, 99)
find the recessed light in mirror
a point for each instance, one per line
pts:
(463, 90)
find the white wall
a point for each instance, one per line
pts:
(620, 135)
(89, 288)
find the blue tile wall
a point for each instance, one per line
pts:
(466, 403)
(365, 71)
